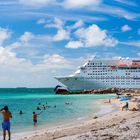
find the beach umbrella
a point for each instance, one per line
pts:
(125, 98)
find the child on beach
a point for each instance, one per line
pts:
(35, 117)
(6, 122)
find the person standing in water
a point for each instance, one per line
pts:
(35, 117)
(6, 122)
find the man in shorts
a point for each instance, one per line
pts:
(6, 122)
(35, 117)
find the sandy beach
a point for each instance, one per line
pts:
(118, 125)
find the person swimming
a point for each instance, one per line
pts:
(7, 115)
(38, 108)
(44, 107)
(68, 103)
(20, 112)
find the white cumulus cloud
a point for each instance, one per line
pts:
(126, 28)
(74, 44)
(93, 36)
(56, 23)
(8, 57)
(4, 34)
(61, 35)
(27, 36)
(56, 61)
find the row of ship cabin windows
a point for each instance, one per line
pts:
(124, 83)
(108, 70)
(94, 74)
(121, 82)
(121, 68)
(112, 79)
(94, 64)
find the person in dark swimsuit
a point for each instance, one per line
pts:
(35, 117)
(126, 106)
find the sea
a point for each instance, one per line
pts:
(60, 109)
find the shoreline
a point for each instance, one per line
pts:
(114, 124)
(30, 131)
(105, 109)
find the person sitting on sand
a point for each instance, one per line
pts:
(125, 106)
(6, 121)
(35, 117)
(134, 109)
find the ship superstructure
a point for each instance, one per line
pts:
(105, 73)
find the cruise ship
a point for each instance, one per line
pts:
(104, 73)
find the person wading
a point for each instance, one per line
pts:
(6, 122)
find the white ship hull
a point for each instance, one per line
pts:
(76, 83)
(104, 74)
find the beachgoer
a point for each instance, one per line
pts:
(109, 101)
(134, 109)
(6, 122)
(125, 106)
(35, 117)
(44, 107)
(68, 103)
(38, 108)
(20, 112)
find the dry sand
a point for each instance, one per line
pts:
(119, 125)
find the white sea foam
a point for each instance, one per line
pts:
(105, 109)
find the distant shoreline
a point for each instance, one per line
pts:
(25, 89)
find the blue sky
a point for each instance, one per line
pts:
(40, 39)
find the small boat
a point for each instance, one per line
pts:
(60, 90)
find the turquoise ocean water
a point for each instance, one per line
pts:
(27, 100)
